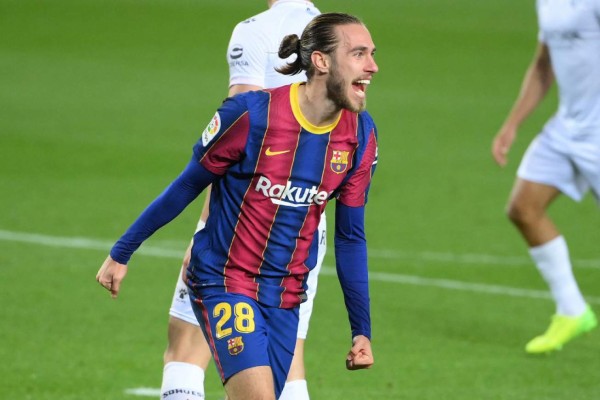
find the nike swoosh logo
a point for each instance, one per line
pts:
(269, 153)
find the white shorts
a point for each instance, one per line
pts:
(181, 307)
(569, 163)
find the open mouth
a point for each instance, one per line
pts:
(360, 86)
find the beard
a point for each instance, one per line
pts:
(336, 92)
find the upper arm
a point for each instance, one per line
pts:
(542, 55)
(247, 56)
(543, 64)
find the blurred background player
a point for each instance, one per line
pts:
(563, 158)
(252, 56)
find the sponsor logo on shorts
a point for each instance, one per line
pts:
(235, 345)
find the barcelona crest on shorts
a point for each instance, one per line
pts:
(339, 161)
(235, 345)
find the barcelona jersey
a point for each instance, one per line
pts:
(276, 171)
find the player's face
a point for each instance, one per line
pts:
(352, 68)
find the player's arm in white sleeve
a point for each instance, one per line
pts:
(247, 56)
(538, 79)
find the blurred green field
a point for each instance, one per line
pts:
(100, 103)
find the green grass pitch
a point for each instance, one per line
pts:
(100, 103)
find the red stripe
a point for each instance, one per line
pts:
(258, 213)
(296, 267)
(291, 285)
(211, 341)
(344, 138)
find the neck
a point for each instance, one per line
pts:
(316, 107)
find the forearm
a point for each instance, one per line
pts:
(162, 210)
(351, 264)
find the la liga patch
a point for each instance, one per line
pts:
(212, 129)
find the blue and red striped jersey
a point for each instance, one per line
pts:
(276, 173)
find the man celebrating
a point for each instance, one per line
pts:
(274, 158)
(252, 56)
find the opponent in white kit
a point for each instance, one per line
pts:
(563, 158)
(252, 57)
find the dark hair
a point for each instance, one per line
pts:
(319, 35)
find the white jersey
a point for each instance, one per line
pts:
(254, 44)
(571, 30)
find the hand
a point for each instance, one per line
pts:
(360, 355)
(502, 143)
(110, 275)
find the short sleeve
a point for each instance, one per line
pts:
(247, 56)
(223, 141)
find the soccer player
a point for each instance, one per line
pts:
(253, 59)
(563, 159)
(274, 159)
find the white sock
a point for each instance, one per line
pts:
(295, 390)
(552, 260)
(182, 381)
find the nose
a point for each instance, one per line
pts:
(371, 65)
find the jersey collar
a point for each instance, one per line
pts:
(304, 123)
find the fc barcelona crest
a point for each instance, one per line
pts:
(235, 345)
(339, 161)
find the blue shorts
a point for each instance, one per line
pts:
(243, 334)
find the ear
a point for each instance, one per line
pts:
(321, 61)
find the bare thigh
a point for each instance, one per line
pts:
(254, 383)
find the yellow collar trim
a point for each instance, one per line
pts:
(294, 101)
